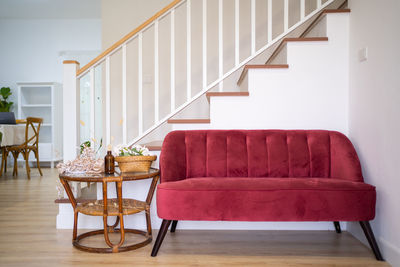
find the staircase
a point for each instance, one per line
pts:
(297, 80)
(310, 69)
(158, 101)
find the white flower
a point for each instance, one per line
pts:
(136, 150)
(117, 149)
(145, 151)
(141, 150)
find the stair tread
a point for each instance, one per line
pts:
(259, 66)
(189, 121)
(344, 10)
(154, 145)
(88, 194)
(242, 93)
(305, 39)
(267, 66)
(212, 94)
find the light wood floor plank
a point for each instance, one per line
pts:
(28, 237)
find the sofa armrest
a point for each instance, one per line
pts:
(173, 157)
(344, 160)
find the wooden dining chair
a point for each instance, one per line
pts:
(31, 144)
(22, 121)
(4, 155)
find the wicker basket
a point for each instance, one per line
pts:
(135, 163)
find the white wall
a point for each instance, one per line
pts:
(50, 9)
(33, 49)
(374, 113)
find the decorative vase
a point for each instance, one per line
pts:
(135, 163)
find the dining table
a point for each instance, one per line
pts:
(13, 134)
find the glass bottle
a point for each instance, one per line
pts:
(109, 163)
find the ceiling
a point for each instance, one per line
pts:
(50, 9)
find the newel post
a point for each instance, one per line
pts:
(70, 110)
(71, 114)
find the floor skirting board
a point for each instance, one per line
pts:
(390, 252)
(65, 221)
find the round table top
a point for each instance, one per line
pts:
(125, 176)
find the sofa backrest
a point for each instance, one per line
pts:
(258, 153)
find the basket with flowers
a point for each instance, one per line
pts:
(133, 159)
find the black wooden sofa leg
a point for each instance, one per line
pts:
(337, 227)
(173, 226)
(371, 239)
(160, 237)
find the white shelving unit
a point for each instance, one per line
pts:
(43, 100)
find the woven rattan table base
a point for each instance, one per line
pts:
(96, 208)
(79, 238)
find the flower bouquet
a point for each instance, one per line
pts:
(133, 159)
(86, 162)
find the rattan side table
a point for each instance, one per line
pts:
(111, 207)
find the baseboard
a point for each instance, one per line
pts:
(389, 251)
(226, 225)
(65, 221)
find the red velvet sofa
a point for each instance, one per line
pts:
(262, 175)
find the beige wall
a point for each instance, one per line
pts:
(119, 17)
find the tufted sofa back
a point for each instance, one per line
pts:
(258, 153)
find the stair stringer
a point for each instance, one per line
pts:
(311, 94)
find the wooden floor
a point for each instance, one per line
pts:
(28, 237)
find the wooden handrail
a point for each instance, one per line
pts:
(128, 36)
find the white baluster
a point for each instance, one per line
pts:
(319, 3)
(172, 60)
(220, 44)
(188, 51)
(253, 26)
(269, 21)
(156, 73)
(302, 9)
(140, 84)
(204, 44)
(124, 99)
(71, 95)
(236, 32)
(286, 15)
(108, 102)
(92, 110)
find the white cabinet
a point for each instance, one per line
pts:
(43, 100)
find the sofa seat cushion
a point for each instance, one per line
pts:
(266, 199)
